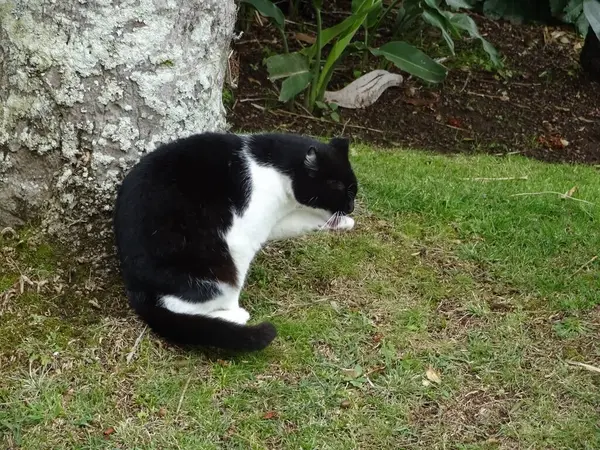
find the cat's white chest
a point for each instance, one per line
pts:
(268, 202)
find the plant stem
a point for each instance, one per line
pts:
(365, 58)
(285, 43)
(385, 13)
(317, 63)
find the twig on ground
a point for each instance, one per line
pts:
(187, 383)
(497, 179)
(585, 366)
(320, 119)
(466, 82)
(585, 265)
(136, 344)
(452, 126)
(252, 99)
(345, 125)
(560, 194)
(257, 41)
(497, 97)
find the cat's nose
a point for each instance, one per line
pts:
(350, 207)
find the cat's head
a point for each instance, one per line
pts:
(326, 179)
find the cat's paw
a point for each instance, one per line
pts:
(343, 223)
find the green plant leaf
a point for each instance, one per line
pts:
(515, 11)
(458, 4)
(412, 60)
(557, 7)
(591, 10)
(328, 34)
(342, 43)
(284, 66)
(465, 22)
(293, 85)
(573, 11)
(268, 9)
(436, 19)
(335, 54)
(373, 16)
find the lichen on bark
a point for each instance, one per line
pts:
(87, 87)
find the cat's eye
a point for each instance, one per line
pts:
(334, 184)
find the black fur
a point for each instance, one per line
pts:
(590, 55)
(175, 204)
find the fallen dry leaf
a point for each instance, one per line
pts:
(345, 404)
(571, 191)
(270, 415)
(553, 142)
(303, 37)
(432, 375)
(454, 122)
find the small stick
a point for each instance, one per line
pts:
(585, 366)
(187, 383)
(560, 194)
(585, 265)
(497, 179)
(252, 99)
(136, 344)
(452, 126)
(497, 97)
(304, 116)
(345, 125)
(466, 82)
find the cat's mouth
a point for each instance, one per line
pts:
(334, 221)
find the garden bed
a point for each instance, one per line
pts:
(540, 104)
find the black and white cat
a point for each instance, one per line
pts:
(191, 216)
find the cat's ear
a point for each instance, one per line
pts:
(342, 145)
(310, 161)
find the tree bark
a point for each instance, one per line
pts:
(87, 87)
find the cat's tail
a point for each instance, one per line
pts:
(195, 330)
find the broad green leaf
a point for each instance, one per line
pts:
(438, 20)
(573, 11)
(516, 11)
(582, 25)
(557, 7)
(591, 10)
(458, 4)
(293, 85)
(465, 22)
(412, 60)
(268, 9)
(283, 66)
(408, 11)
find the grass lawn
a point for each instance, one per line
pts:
(454, 316)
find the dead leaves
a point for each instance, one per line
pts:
(432, 376)
(553, 142)
(270, 415)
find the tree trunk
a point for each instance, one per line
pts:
(86, 87)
